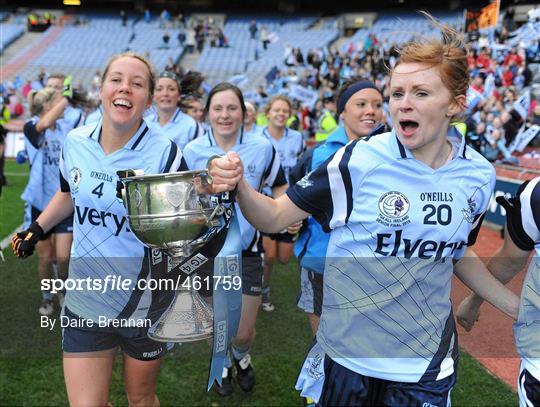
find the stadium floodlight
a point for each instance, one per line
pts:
(71, 2)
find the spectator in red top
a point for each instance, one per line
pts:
(513, 56)
(26, 88)
(507, 77)
(478, 84)
(483, 61)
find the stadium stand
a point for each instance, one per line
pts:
(9, 33)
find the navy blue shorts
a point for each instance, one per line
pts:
(343, 387)
(132, 340)
(282, 236)
(252, 275)
(66, 226)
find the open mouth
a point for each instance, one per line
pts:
(122, 104)
(408, 126)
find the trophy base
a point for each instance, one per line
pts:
(188, 319)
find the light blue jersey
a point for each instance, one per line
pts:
(289, 147)
(181, 128)
(256, 130)
(396, 227)
(103, 244)
(44, 155)
(33, 192)
(72, 118)
(94, 116)
(527, 327)
(261, 167)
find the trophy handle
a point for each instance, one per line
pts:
(218, 211)
(120, 186)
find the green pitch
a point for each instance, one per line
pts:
(30, 357)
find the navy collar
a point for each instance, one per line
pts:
(211, 139)
(133, 142)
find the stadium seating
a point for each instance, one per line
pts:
(9, 33)
(247, 56)
(82, 49)
(399, 28)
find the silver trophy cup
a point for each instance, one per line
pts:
(175, 212)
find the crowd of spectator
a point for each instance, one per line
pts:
(501, 78)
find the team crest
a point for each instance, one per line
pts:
(251, 170)
(175, 196)
(315, 370)
(469, 212)
(75, 178)
(393, 209)
(305, 182)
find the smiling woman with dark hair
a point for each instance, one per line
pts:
(225, 111)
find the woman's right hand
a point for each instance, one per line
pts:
(468, 313)
(226, 172)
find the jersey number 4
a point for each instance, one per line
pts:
(98, 190)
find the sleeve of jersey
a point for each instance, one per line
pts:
(302, 167)
(64, 185)
(524, 225)
(188, 157)
(327, 192)
(274, 175)
(31, 133)
(485, 191)
(174, 160)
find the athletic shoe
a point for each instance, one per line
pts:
(245, 374)
(267, 306)
(309, 402)
(46, 308)
(226, 388)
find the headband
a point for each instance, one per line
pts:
(351, 90)
(170, 75)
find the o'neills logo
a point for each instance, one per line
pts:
(393, 209)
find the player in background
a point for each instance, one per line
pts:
(359, 108)
(104, 248)
(73, 115)
(522, 236)
(290, 145)
(192, 106)
(402, 218)
(167, 118)
(44, 136)
(225, 110)
(250, 125)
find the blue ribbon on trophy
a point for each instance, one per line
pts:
(227, 301)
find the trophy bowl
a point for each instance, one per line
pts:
(170, 211)
(175, 212)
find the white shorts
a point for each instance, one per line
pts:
(311, 292)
